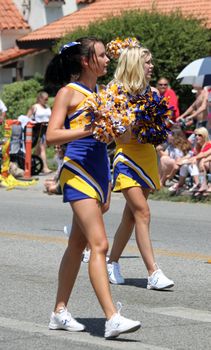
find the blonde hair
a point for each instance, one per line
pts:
(204, 132)
(130, 69)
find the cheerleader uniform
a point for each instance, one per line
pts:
(135, 164)
(85, 172)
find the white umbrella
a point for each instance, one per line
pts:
(197, 72)
(201, 80)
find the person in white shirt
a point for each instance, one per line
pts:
(40, 112)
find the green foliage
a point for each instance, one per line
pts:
(175, 41)
(19, 96)
(164, 195)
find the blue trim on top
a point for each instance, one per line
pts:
(85, 87)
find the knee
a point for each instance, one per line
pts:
(100, 247)
(143, 214)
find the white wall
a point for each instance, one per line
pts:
(8, 38)
(40, 14)
(36, 63)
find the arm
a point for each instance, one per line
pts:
(153, 89)
(56, 134)
(199, 106)
(160, 151)
(203, 154)
(30, 112)
(188, 111)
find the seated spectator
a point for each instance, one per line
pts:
(208, 126)
(177, 147)
(197, 164)
(165, 91)
(197, 113)
(15, 171)
(52, 185)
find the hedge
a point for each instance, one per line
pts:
(174, 41)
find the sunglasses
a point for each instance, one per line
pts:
(163, 84)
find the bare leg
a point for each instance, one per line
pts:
(203, 175)
(166, 168)
(89, 217)
(136, 198)
(70, 265)
(44, 157)
(122, 235)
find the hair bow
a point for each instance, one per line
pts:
(68, 46)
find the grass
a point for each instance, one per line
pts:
(164, 195)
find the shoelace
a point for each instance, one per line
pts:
(66, 315)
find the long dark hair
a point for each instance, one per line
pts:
(67, 64)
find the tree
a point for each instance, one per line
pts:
(174, 41)
(19, 96)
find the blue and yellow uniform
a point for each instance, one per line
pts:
(85, 172)
(135, 164)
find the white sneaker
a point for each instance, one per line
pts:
(86, 255)
(118, 324)
(173, 188)
(67, 230)
(194, 188)
(114, 273)
(64, 320)
(159, 281)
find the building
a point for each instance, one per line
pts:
(35, 35)
(18, 18)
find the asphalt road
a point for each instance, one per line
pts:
(32, 244)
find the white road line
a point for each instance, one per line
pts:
(83, 337)
(182, 312)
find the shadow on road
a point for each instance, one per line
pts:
(95, 326)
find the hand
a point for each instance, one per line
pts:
(179, 118)
(126, 137)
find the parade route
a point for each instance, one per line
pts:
(32, 244)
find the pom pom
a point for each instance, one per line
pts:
(115, 47)
(113, 110)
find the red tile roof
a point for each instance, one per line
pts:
(14, 53)
(10, 17)
(84, 1)
(100, 9)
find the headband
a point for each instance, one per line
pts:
(115, 47)
(68, 46)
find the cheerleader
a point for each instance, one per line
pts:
(84, 179)
(135, 170)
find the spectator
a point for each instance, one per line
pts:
(3, 110)
(209, 112)
(177, 147)
(196, 164)
(165, 91)
(197, 113)
(40, 112)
